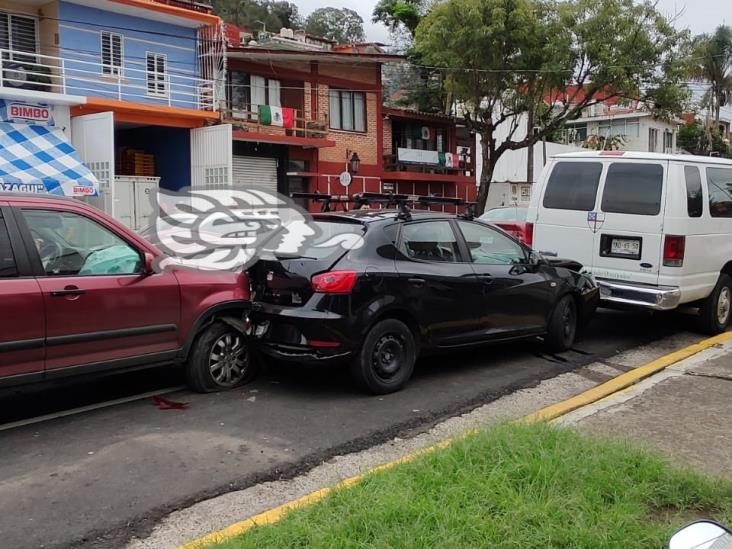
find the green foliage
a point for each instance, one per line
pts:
(275, 14)
(604, 143)
(511, 57)
(513, 486)
(397, 13)
(701, 139)
(342, 25)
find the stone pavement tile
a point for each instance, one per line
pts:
(687, 417)
(717, 367)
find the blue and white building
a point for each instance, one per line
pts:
(113, 76)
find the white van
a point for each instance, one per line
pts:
(655, 230)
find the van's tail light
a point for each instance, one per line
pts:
(673, 250)
(334, 282)
(528, 234)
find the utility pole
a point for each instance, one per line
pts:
(530, 152)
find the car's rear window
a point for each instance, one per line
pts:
(632, 188)
(331, 237)
(573, 186)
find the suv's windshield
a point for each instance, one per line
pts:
(505, 214)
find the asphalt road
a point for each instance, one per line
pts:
(96, 478)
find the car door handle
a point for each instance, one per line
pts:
(486, 279)
(416, 281)
(68, 290)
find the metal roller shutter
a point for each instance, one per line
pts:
(255, 172)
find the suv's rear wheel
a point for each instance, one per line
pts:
(386, 360)
(219, 360)
(562, 327)
(714, 314)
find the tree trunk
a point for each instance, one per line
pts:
(530, 150)
(486, 174)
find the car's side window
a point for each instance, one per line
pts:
(70, 244)
(719, 181)
(430, 241)
(8, 267)
(489, 247)
(694, 198)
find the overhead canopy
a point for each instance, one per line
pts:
(40, 159)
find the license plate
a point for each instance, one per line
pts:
(620, 246)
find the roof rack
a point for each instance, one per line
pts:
(387, 200)
(325, 199)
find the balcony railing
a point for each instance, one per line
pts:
(248, 118)
(203, 6)
(85, 75)
(423, 162)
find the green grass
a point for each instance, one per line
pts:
(512, 486)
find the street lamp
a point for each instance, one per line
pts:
(354, 163)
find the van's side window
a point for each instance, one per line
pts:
(573, 186)
(719, 181)
(694, 198)
(632, 188)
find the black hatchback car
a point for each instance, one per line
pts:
(417, 281)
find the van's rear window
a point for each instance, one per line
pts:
(632, 188)
(573, 186)
(719, 181)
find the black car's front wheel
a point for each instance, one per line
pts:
(562, 328)
(386, 360)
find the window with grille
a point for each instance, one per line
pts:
(157, 79)
(111, 53)
(18, 33)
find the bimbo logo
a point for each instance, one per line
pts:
(29, 112)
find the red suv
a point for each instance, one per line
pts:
(78, 295)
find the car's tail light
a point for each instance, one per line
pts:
(528, 234)
(673, 250)
(334, 282)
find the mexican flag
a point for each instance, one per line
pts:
(427, 133)
(284, 117)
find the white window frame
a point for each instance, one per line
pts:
(18, 55)
(110, 69)
(157, 76)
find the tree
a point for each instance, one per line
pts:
(253, 13)
(712, 63)
(547, 60)
(342, 25)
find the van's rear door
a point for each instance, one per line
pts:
(629, 221)
(561, 228)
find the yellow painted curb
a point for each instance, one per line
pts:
(546, 414)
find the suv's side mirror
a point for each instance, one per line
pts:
(147, 264)
(701, 534)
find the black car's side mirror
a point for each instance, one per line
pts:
(534, 258)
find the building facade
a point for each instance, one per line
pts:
(301, 113)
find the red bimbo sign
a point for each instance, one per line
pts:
(29, 112)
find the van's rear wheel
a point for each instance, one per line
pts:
(714, 315)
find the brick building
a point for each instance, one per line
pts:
(300, 109)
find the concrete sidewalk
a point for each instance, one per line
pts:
(684, 411)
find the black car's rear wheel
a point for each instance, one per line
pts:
(386, 359)
(562, 328)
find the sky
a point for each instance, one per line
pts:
(698, 15)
